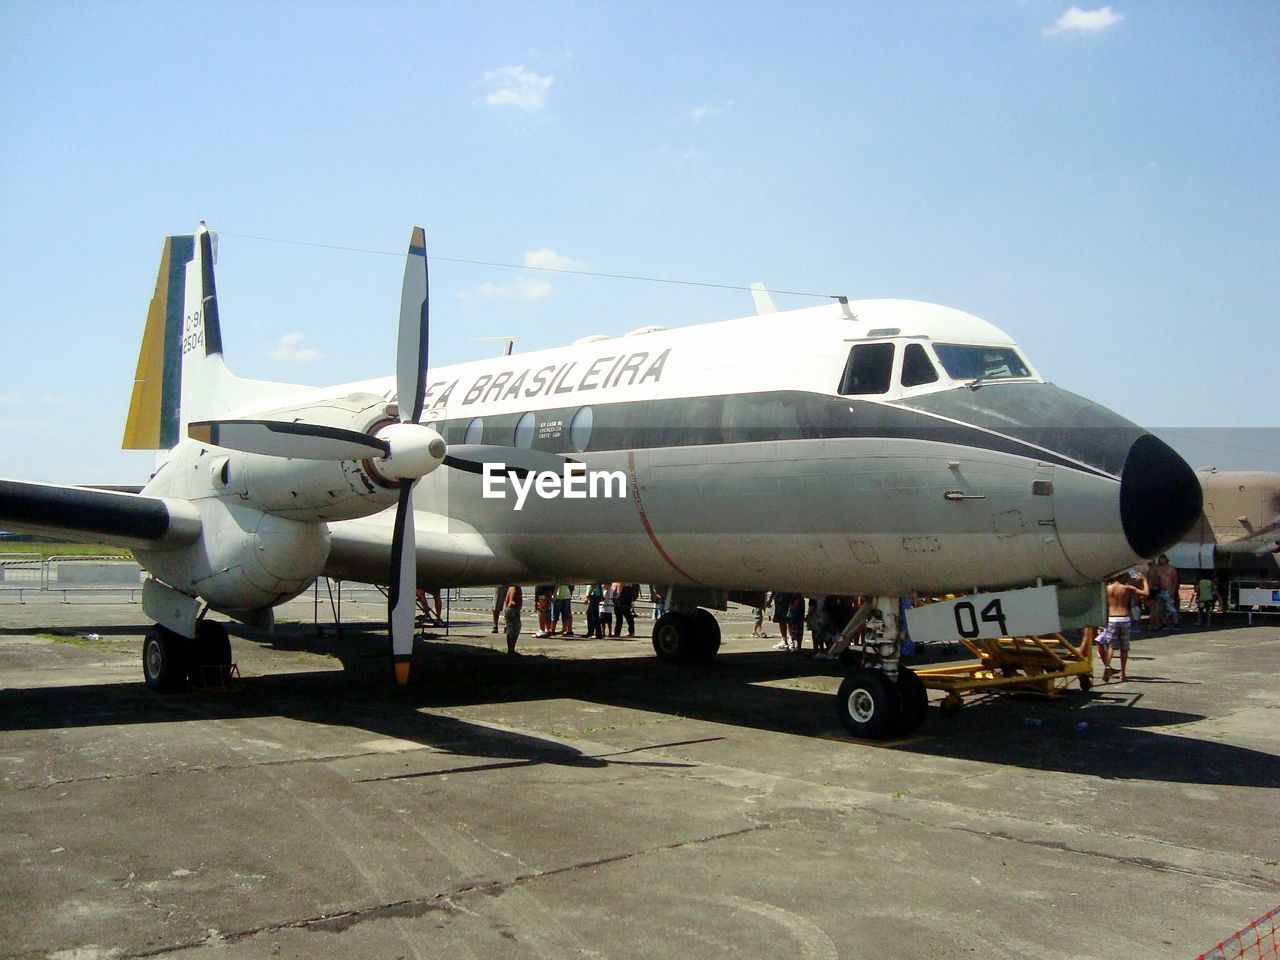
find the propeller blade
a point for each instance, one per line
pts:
(477, 467)
(471, 458)
(402, 597)
(411, 350)
(281, 438)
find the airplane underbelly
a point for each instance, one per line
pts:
(851, 515)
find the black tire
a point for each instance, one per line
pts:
(868, 705)
(915, 701)
(673, 637)
(1086, 683)
(211, 648)
(706, 637)
(164, 659)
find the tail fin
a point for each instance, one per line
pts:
(181, 375)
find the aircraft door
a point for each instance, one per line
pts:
(1046, 549)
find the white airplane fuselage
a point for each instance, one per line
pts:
(752, 460)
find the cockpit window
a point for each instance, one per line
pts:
(868, 370)
(917, 368)
(980, 363)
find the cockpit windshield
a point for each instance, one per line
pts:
(964, 362)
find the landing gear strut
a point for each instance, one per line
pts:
(683, 636)
(879, 698)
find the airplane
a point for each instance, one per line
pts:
(878, 447)
(1239, 530)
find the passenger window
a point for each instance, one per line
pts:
(868, 370)
(524, 431)
(917, 368)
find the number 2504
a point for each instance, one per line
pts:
(967, 618)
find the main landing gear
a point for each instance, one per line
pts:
(169, 659)
(879, 698)
(686, 636)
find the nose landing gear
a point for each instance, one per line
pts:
(879, 698)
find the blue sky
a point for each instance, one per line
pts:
(1101, 182)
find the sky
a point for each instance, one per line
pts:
(1101, 182)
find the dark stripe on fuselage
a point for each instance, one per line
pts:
(796, 415)
(83, 511)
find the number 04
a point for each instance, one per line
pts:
(967, 618)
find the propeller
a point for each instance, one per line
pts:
(405, 451)
(411, 381)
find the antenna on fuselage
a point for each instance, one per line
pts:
(844, 306)
(509, 341)
(764, 302)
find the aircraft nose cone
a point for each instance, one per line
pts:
(1160, 496)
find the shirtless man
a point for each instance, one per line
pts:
(1120, 594)
(1166, 587)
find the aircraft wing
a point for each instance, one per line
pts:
(79, 513)
(448, 551)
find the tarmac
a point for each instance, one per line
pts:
(585, 800)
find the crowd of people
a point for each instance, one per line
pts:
(610, 609)
(825, 617)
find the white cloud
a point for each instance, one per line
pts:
(517, 87)
(527, 289)
(704, 110)
(289, 347)
(11, 397)
(550, 260)
(1076, 20)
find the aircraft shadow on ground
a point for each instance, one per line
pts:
(1119, 738)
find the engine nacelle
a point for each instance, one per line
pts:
(244, 559)
(307, 490)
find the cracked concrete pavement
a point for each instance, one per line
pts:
(585, 800)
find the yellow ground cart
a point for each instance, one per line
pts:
(1043, 665)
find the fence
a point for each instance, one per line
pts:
(23, 575)
(1258, 941)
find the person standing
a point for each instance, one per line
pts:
(1115, 638)
(781, 609)
(1206, 599)
(795, 621)
(499, 603)
(511, 607)
(595, 596)
(562, 610)
(1166, 587)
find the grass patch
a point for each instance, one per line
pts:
(42, 550)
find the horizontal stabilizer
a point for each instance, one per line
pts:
(126, 519)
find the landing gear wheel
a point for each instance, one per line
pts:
(706, 637)
(211, 648)
(673, 637)
(1086, 683)
(868, 704)
(164, 659)
(915, 701)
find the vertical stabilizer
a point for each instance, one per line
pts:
(153, 409)
(180, 372)
(181, 375)
(204, 373)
